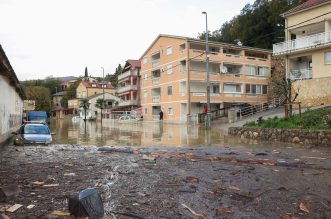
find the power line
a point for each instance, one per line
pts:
(263, 36)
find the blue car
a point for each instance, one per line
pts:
(33, 134)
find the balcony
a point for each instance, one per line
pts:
(128, 103)
(156, 81)
(301, 74)
(303, 43)
(127, 88)
(127, 74)
(155, 99)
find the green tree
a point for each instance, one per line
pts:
(42, 97)
(100, 105)
(85, 105)
(64, 101)
(86, 73)
(113, 78)
(258, 25)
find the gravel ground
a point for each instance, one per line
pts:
(206, 182)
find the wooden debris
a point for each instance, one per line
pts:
(314, 158)
(149, 157)
(38, 183)
(13, 208)
(60, 213)
(220, 211)
(192, 211)
(235, 188)
(303, 208)
(50, 185)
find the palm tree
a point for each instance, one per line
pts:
(85, 105)
(100, 104)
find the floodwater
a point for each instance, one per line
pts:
(116, 133)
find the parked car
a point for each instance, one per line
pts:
(33, 133)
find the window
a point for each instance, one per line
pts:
(169, 50)
(328, 58)
(216, 89)
(145, 60)
(232, 88)
(145, 93)
(182, 47)
(169, 69)
(256, 89)
(145, 76)
(251, 70)
(145, 111)
(169, 90)
(170, 111)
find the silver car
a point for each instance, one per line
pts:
(33, 133)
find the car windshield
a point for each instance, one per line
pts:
(34, 129)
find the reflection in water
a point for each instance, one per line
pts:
(114, 133)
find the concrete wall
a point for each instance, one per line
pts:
(313, 92)
(308, 137)
(11, 109)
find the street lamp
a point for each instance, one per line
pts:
(207, 69)
(103, 91)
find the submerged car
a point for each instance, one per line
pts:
(33, 133)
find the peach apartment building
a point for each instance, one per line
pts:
(307, 51)
(173, 77)
(128, 85)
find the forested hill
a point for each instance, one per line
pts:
(258, 25)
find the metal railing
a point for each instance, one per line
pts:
(302, 43)
(214, 114)
(301, 74)
(155, 99)
(251, 110)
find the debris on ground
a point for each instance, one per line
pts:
(14, 208)
(9, 192)
(192, 211)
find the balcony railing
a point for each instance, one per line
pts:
(155, 63)
(127, 74)
(128, 103)
(127, 88)
(156, 99)
(156, 81)
(301, 74)
(302, 43)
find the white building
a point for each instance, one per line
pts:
(95, 113)
(11, 99)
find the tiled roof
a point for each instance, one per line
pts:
(135, 63)
(96, 85)
(305, 5)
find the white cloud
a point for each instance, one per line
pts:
(61, 37)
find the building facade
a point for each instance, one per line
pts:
(173, 77)
(129, 85)
(307, 50)
(95, 113)
(11, 99)
(86, 89)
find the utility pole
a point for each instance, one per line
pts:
(103, 91)
(208, 123)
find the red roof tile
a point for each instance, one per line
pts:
(305, 5)
(135, 63)
(96, 85)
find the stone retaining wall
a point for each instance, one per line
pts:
(311, 137)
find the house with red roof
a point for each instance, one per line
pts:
(307, 51)
(129, 85)
(87, 88)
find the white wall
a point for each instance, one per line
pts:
(11, 109)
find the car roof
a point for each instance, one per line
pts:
(35, 124)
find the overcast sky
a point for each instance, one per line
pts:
(60, 37)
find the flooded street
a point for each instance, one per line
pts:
(155, 170)
(136, 134)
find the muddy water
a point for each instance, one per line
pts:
(136, 133)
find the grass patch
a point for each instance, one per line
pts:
(311, 119)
